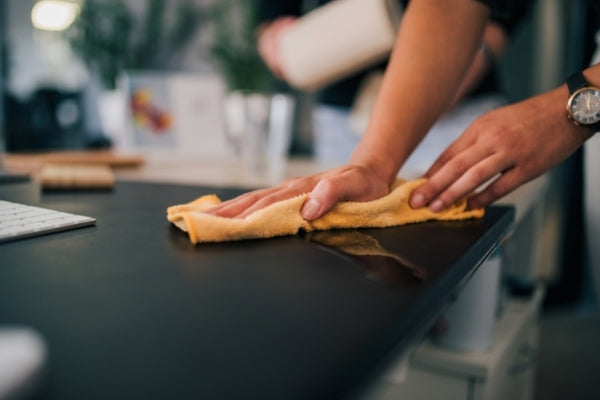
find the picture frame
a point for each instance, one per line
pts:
(175, 113)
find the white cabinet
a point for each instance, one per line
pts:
(504, 371)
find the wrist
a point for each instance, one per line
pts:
(380, 166)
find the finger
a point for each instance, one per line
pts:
(266, 197)
(268, 46)
(274, 197)
(458, 146)
(323, 198)
(449, 173)
(474, 177)
(268, 51)
(232, 208)
(349, 185)
(505, 184)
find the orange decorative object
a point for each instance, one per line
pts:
(146, 114)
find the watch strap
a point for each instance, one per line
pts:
(576, 82)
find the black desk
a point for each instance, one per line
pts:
(131, 309)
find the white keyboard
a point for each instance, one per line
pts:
(19, 220)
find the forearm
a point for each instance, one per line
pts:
(436, 44)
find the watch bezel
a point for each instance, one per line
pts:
(570, 106)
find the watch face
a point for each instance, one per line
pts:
(584, 106)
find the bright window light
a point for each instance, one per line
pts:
(54, 15)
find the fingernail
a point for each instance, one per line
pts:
(417, 201)
(436, 206)
(311, 209)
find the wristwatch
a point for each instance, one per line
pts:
(583, 106)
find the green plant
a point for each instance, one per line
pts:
(110, 39)
(234, 48)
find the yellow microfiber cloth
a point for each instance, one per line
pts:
(283, 217)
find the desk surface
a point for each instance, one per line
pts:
(131, 309)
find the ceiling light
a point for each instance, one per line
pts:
(54, 15)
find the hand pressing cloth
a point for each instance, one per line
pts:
(283, 217)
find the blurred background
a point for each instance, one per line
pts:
(59, 57)
(61, 60)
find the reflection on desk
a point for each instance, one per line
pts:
(379, 264)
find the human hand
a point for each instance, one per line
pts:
(268, 47)
(510, 145)
(326, 189)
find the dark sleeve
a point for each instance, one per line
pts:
(498, 5)
(271, 9)
(511, 14)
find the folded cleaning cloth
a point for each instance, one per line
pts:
(283, 217)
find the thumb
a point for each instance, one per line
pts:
(322, 199)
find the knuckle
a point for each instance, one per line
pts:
(448, 197)
(328, 188)
(290, 182)
(257, 195)
(478, 174)
(268, 199)
(428, 189)
(444, 158)
(459, 166)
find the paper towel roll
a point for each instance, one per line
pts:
(336, 40)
